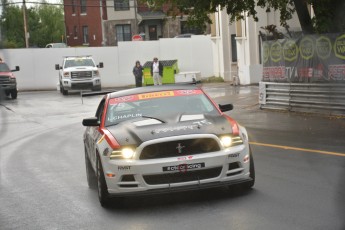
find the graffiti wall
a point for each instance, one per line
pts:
(312, 58)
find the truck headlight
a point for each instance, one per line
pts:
(95, 73)
(66, 74)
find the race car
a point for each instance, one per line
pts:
(162, 139)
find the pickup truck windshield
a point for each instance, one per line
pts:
(4, 68)
(78, 62)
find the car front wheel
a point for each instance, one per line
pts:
(90, 174)
(250, 184)
(102, 188)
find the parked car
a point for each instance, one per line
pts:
(8, 82)
(56, 45)
(161, 139)
(79, 73)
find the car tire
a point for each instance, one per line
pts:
(90, 173)
(102, 188)
(250, 184)
(14, 94)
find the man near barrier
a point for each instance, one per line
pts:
(156, 72)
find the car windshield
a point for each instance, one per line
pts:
(158, 105)
(4, 68)
(79, 62)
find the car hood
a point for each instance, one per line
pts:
(9, 74)
(80, 68)
(137, 131)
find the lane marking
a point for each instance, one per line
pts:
(299, 149)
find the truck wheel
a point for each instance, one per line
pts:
(96, 88)
(64, 91)
(14, 94)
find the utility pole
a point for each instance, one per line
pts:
(25, 26)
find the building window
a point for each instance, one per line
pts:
(73, 6)
(85, 34)
(83, 6)
(121, 4)
(233, 48)
(123, 32)
(187, 29)
(75, 31)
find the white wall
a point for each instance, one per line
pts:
(37, 66)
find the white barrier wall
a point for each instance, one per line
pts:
(37, 65)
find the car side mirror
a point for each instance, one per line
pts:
(16, 69)
(100, 65)
(92, 121)
(57, 66)
(226, 107)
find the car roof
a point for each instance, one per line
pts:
(78, 57)
(148, 89)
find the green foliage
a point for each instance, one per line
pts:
(328, 13)
(45, 25)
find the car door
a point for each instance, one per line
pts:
(93, 134)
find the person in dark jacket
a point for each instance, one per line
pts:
(138, 74)
(156, 71)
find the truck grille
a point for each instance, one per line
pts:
(179, 148)
(81, 75)
(4, 79)
(170, 178)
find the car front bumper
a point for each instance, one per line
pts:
(139, 177)
(69, 84)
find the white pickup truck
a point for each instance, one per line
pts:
(79, 73)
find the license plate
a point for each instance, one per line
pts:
(183, 167)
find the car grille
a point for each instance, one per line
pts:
(82, 85)
(179, 148)
(81, 75)
(4, 79)
(170, 178)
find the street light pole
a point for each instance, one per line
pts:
(25, 26)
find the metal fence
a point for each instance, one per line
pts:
(302, 97)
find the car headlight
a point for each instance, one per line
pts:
(125, 153)
(226, 141)
(229, 141)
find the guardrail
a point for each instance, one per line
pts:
(303, 97)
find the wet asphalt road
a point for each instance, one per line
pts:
(299, 159)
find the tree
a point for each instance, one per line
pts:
(328, 13)
(45, 25)
(52, 23)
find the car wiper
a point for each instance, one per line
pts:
(155, 118)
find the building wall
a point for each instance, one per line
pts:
(92, 19)
(119, 14)
(37, 66)
(110, 31)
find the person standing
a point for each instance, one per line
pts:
(157, 72)
(138, 74)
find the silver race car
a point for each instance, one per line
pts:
(163, 139)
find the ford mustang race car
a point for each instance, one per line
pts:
(162, 139)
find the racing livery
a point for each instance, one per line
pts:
(162, 139)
